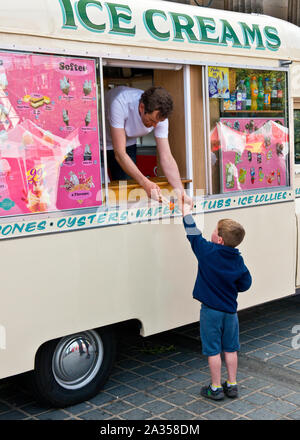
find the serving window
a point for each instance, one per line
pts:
(49, 134)
(140, 79)
(249, 136)
(142, 76)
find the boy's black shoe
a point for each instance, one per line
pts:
(231, 391)
(211, 394)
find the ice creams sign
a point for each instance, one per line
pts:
(165, 25)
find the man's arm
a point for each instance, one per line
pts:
(126, 163)
(170, 169)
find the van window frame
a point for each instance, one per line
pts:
(155, 65)
(59, 53)
(288, 116)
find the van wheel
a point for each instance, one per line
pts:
(74, 368)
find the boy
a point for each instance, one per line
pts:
(221, 275)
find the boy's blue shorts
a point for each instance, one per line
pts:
(219, 331)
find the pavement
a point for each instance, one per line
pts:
(159, 377)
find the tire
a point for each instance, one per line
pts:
(74, 368)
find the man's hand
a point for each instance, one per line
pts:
(153, 191)
(185, 203)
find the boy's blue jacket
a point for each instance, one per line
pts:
(221, 271)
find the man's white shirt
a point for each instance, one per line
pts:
(122, 111)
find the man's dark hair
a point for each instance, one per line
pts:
(157, 98)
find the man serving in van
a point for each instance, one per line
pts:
(132, 113)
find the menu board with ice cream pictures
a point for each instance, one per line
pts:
(253, 153)
(49, 134)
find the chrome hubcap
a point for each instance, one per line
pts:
(77, 359)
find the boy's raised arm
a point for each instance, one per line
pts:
(194, 235)
(190, 226)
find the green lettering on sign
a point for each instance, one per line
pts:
(206, 25)
(120, 13)
(121, 17)
(149, 24)
(253, 34)
(68, 14)
(229, 34)
(273, 41)
(81, 8)
(185, 28)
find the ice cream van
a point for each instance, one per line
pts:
(82, 254)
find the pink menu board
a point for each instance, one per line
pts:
(49, 134)
(252, 153)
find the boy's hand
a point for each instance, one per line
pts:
(186, 205)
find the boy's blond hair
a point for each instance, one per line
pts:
(231, 231)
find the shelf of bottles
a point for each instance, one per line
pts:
(297, 135)
(254, 95)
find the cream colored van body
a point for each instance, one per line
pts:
(68, 281)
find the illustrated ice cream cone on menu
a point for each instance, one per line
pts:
(74, 179)
(70, 156)
(87, 118)
(76, 183)
(87, 87)
(3, 81)
(3, 113)
(65, 85)
(66, 117)
(38, 199)
(87, 152)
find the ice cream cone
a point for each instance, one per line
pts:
(87, 119)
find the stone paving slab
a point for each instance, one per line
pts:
(159, 378)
